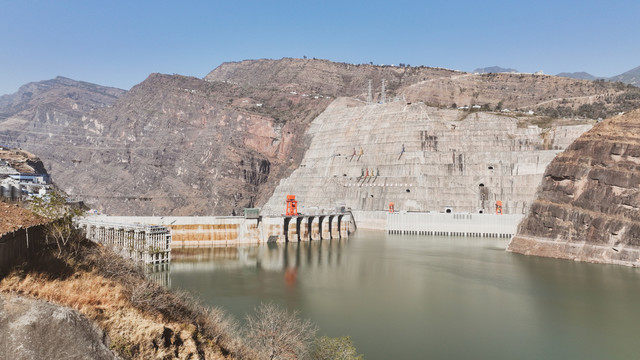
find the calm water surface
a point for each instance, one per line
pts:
(418, 297)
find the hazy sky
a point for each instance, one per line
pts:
(119, 43)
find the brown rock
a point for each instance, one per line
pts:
(588, 206)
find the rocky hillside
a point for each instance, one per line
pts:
(173, 145)
(323, 77)
(588, 206)
(545, 94)
(550, 95)
(62, 98)
(22, 161)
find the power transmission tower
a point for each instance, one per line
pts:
(383, 96)
(369, 97)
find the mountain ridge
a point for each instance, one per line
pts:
(181, 145)
(581, 75)
(628, 77)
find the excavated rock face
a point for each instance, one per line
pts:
(588, 206)
(420, 158)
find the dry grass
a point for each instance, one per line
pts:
(142, 319)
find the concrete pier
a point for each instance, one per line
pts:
(150, 244)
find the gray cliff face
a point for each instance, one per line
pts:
(588, 206)
(36, 329)
(494, 69)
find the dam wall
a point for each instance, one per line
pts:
(215, 231)
(479, 225)
(372, 220)
(447, 224)
(421, 159)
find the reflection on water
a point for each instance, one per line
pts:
(285, 257)
(159, 273)
(412, 297)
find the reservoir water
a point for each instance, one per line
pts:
(424, 297)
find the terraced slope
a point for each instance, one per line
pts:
(422, 159)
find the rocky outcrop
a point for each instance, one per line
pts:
(588, 206)
(22, 161)
(36, 329)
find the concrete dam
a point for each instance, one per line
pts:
(215, 231)
(421, 159)
(443, 171)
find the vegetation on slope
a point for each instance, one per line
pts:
(144, 320)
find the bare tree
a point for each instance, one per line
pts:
(54, 207)
(274, 333)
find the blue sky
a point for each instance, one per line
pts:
(119, 43)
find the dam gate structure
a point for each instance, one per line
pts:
(150, 244)
(214, 231)
(316, 227)
(453, 224)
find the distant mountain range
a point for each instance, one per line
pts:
(630, 77)
(494, 69)
(580, 75)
